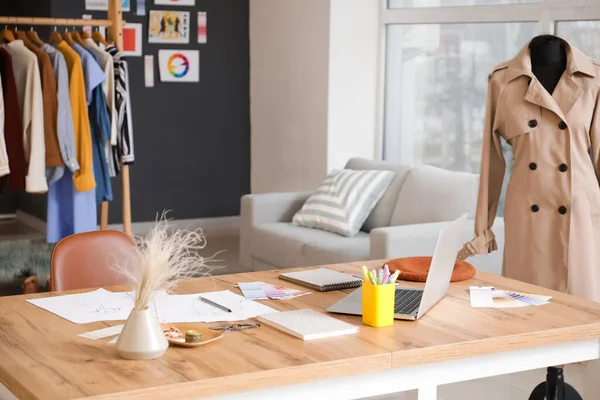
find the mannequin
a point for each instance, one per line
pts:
(548, 63)
(548, 60)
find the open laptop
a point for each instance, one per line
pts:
(412, 304)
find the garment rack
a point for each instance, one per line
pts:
(115, 32)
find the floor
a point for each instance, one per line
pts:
(506, 387)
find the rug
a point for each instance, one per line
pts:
(22, 258)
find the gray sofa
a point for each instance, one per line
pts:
(405, 222)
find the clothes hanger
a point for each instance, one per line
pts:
(68, 38)
(55, 37)
(34, 38)
(76, 37)
(84, 35)
(6, 35)
(98, 38)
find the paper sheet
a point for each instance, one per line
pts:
(102, 333)
(189, 308)
(83, 308)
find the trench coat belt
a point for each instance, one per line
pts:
(479, 245)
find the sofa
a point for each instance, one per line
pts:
(405, 222)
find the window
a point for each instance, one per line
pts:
(438, 54)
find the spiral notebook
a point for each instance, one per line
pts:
(323, 279)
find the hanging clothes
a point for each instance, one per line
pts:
(72, 199)
(99, 124)
(552, 211)
(13, 134)
(64, 118)
(84, 178)
(106, 62)
(123, 151)
(4, 167)
(54, 162)
(29, 92)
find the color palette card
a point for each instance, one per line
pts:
(262, 291)
(490, 297)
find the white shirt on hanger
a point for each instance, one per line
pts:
(29, 93)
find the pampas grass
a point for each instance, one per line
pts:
(163, 258)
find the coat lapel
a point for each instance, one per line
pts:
(538, 95)
(566, 93)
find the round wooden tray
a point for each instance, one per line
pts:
(208, 335)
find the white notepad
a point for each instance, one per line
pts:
(307, 324)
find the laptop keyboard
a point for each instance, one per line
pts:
(407, 301)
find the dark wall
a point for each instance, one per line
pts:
(192, 140)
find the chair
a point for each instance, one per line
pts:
(85, 260)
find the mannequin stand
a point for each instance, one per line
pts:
(554, 388)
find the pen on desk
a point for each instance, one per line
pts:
(212, 303)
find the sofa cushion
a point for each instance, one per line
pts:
(344, 200)
(286, 246)
(433, 194)
(382, 213)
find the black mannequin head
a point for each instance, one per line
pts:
(548, 60)
(547, 49)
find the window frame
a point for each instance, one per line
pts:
(547, 13)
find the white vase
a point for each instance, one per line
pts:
(142, 337)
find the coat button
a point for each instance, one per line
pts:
(563, 167)
(562, 125)
(532, 123)
(532, 166)
(535, 208)
(562, 210)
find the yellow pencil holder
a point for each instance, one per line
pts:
(378, 304)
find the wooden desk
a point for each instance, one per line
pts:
(41, 356)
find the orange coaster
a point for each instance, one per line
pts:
(416, 269)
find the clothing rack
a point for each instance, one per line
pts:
(115, 33)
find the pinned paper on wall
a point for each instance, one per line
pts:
(149, 71)
(169, 27)
(102, 5)
(175, 2)
(179, 65)
(140, 7)
(132, 39)
(88, 28)
(202, 38)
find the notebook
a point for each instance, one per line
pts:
(323, 279)
(307, 324)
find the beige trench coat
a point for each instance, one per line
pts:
(552, 210)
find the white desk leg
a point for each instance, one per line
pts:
(428, 393)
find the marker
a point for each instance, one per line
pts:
(364, 272)
(371, 279)
(394, 276)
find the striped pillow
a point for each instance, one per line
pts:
(344, 201)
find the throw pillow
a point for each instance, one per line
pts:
(432, 194)
(344, 201)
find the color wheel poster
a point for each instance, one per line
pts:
(179, 65)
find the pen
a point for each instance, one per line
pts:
(212, 303)
(394, 276)
(372, 278)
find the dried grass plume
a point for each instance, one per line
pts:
(162, 258)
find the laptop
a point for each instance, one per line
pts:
(412, 304)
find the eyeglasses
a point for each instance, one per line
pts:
(234, 327)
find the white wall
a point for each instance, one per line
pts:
(313, 86)
(289, 52)
(353, 74)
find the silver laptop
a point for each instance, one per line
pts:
(412, 304)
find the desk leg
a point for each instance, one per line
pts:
(591, 384)
(428, 393)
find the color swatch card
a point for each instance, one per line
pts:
(262, 291)
(179, 65)
(202, 38)
(488, 296)
(252, 291)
